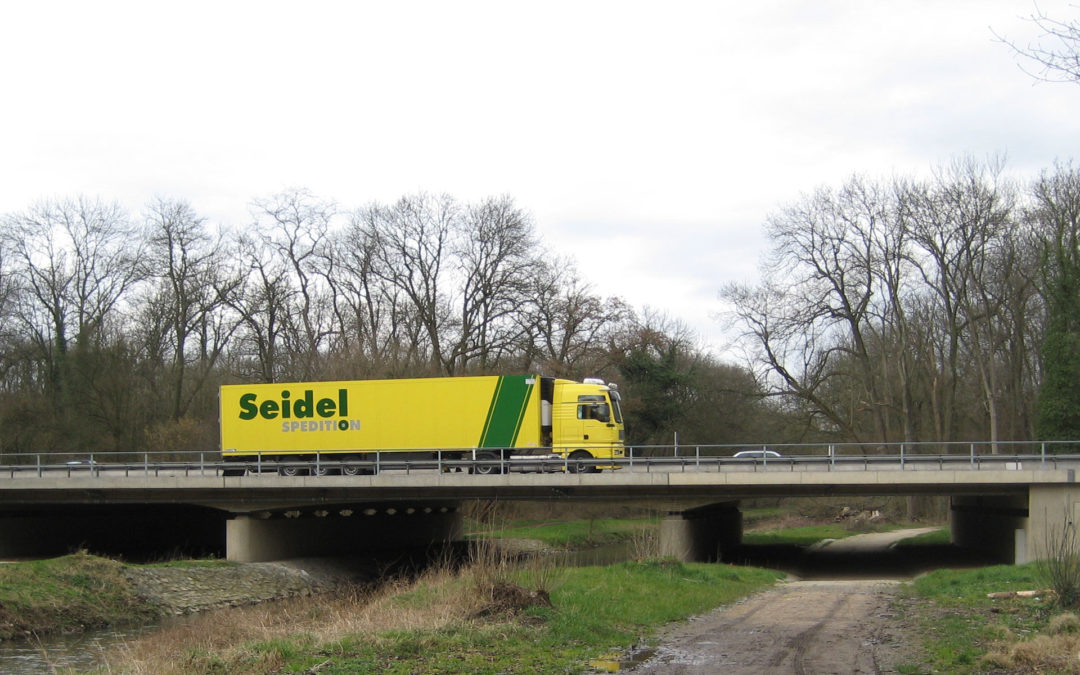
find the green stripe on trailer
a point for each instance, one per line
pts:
(507, 410)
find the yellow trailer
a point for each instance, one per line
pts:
(294, 427)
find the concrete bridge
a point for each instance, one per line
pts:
(1008, 506)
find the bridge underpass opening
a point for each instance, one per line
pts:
(133, 531)
(984, 529)
(156, 531)
(343, 529)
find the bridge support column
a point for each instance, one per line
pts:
(260, 537)
(1051, 508)
(699, 535)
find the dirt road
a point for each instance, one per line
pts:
(811, 627)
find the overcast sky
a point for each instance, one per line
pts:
(648, 140)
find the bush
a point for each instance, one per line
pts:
(1059, 565)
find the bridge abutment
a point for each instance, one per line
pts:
(264, 536)
(701, 534)
(1051, 508)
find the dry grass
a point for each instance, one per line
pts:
(1043, 653)
(221, 641)
(645, 545)
(224, 636)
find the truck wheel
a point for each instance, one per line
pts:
(576, 463)
(490, 465)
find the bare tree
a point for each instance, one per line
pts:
(375, 324)
(293, 226)
(814, 318)
(567, 327)
(496, 260)
(413, 245)
(75, 259)
(960, 223)
(1056, 50)
(185, 323)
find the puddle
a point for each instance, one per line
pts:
(615, 662)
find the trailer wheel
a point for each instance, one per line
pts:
(577, 463)
(321, 471)
(490, 464)
(290, 470)
(351, 469)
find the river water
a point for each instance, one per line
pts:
(76, 651)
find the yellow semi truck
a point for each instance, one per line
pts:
(494, 421)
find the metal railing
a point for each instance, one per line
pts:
(793, 457)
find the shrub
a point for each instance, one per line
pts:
(1059, 565)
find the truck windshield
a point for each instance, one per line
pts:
(615, 407)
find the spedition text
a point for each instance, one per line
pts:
(320, 425)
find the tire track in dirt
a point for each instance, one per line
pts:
(800, 628)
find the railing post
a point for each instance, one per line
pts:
(697, 453)
(973, 454)
(146, 463)
(1043, 452)
(38, 458)
(901, 455)
(377, 462)
(438, 460)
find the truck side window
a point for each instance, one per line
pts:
(594, 411)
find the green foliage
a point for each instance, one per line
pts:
(574, 533)
(804, 536)
(1058, 213)
(968, 588)
(657, 376)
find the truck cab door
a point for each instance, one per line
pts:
(597, 426)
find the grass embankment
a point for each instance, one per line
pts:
(576, 534)
(73, 592)
(967, 632)
(571, 534)
(469, 622)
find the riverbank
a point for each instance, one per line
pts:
(81, 592)
(487, 618)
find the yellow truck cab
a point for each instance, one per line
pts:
(338, 427)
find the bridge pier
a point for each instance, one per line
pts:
(701, 534)
(263, 536)
(1051, 508)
